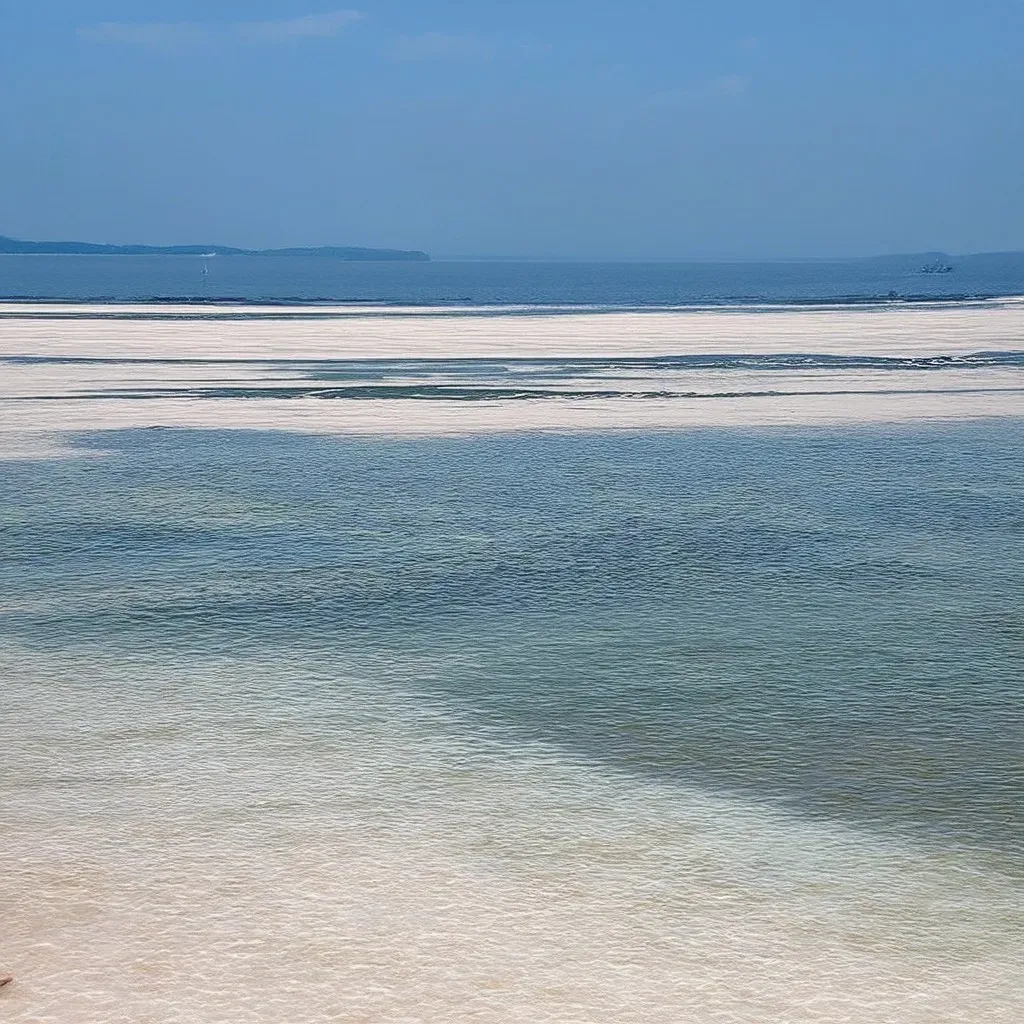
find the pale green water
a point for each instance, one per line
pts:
(832, 620)
(775, 676)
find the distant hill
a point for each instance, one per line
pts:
(337, 252)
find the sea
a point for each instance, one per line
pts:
(459, 283)
(712, 724)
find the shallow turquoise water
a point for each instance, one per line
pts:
(824, 621)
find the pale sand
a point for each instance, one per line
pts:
(421, 418)
(38, 403)
(884, 331)
(200, 848)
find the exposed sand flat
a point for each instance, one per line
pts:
(897, 330)
(411, 418)
(40, 380)
(154, 372)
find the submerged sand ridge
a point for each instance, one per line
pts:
(202, 848)
(70, 368)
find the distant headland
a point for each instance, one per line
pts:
(15, 246)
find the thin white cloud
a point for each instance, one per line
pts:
(720, 89)
(729, 85)
(173, 34)
(312, 26)
(536, 49)
(155, 33)
(438, 46)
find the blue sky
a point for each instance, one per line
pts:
(522, 129)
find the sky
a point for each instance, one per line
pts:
(566, 129)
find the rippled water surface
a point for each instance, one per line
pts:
(707, 725)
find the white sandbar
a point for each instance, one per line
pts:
(143, 347)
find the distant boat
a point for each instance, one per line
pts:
(936, 267)
(205, 273)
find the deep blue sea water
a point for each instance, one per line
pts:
(483, 283)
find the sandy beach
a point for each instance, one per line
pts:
(72, 368)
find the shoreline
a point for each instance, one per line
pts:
(15, 305)
(414, 372)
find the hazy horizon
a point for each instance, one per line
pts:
(570, 131)
(446, 257)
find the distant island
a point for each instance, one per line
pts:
(15, 246)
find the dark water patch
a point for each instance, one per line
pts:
(489, 393)
(367, 305)
(824, 619)
(346, 369)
